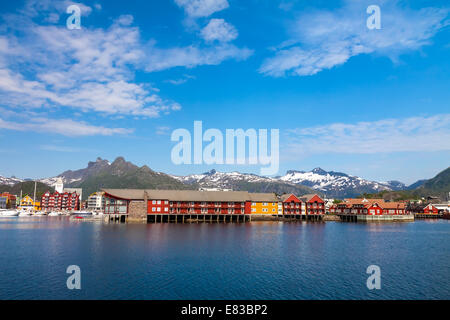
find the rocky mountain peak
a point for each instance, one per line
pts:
(319, 170)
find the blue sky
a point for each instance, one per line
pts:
(372, 103)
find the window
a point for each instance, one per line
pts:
(253, 203)
(166, 209)
(273, 210)
(265, 204)
(154, 202)
(159, 209)
(253, 209)
(159, 202)
(153, 209)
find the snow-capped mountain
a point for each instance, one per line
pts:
(215, 179)
(242, 181)
(338, 184)
(122, 174)
(9, 181)
(332, 184)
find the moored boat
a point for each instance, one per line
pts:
(24, 213)
(9, 213)
(82, 213)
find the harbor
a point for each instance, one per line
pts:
(151, 206)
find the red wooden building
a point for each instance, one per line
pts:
(178, 202)
(430, 209)
(314, 205)
(368, 207)
(291, 204)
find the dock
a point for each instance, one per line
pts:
(209, 218)
(375, 218)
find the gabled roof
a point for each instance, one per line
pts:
(180, 195)
(308, 197)
(286, 196)
(263, 197)
(370, 202)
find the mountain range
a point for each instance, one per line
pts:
(123, 174)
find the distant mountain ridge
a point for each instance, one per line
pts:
(118, 174)
(122, 174)
(243, 182)
(9, 181)
(338, 184)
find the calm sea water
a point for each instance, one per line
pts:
(223, 261)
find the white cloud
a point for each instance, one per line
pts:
(184, 79)
(34, 8)
(202, 8)
(92, 70)
(321, 40)
(162, 131)
(218, 29)
(125, 20)
(66, 127)
(191, 56)
(416, 134)
(49, 66)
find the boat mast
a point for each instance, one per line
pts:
(34, 196)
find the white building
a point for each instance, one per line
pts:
(59, 185)
(96, 201)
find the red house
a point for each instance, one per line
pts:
(313, 204)
(291, 204)
(430, 209)
(369, 207)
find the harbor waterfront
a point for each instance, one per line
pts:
(258, 260)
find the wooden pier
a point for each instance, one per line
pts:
(210, 218)
(375, 218)
(428, 216)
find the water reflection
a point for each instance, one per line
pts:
(263, 260)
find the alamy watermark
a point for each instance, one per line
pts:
(74, 20)
(374, 21)
(74, 281)
(374, 281)
(232, 153)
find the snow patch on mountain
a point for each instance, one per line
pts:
(10, 181)
(337, 183)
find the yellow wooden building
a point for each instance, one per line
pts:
(28, 203)
(265, 203)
